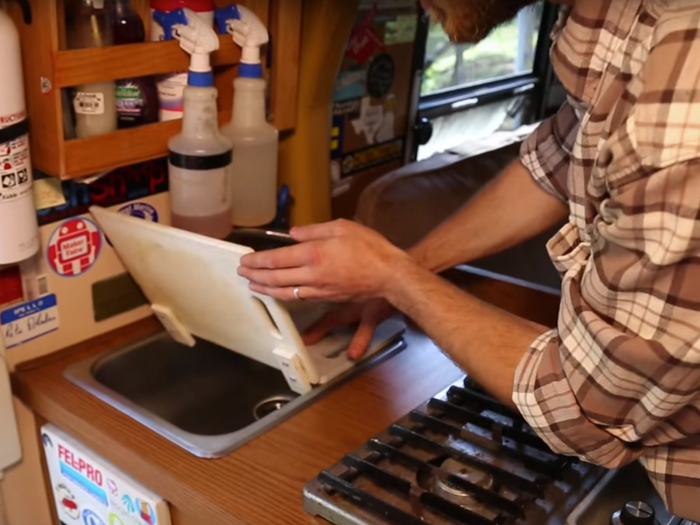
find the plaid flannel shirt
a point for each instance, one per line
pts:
(619, 379)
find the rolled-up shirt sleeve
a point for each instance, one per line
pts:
(546, 153)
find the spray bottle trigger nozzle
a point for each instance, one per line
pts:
(223, 15)
(168, 21)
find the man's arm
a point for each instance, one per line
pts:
(508, 211)
(483, 340)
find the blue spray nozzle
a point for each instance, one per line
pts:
(168, 20)
(223, 15)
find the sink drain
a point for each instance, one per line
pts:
(268, 406)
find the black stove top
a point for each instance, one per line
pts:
(461, 458)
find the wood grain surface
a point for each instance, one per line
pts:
(262, 482)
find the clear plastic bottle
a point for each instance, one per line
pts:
(254, 166)
(199, 161)
(88, 25)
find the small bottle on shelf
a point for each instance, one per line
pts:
(88, 25)
(137, 98)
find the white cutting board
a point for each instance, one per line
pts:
(196, 278)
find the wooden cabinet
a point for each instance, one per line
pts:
(49, 67)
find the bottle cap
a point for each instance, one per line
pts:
(198, 6)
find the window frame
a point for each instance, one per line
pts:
(453, 100)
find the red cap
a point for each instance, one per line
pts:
(198, 6)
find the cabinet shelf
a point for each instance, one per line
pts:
(83, 66)
(49, 69)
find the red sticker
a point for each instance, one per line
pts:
(73, 247)
(364, 41)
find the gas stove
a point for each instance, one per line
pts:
(462, 458)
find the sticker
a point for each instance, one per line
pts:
(364, 42)
(146, 512)
(402, 30)
(350, 85)
(91, 518)
(15, 169)
(128, 503)
(115, 520)
(11, 289)
(28, 321)
(371, 119)
(89, 103)
(349, 107)
(48, 193)
(74, 247)
(117, 187)
(387, 129)
(140, 210)
(380, 76)
(372, 156)
(81, 472)
(337, 132)
(66, 499)
(112, 486)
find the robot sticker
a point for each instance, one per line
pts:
(74, 247)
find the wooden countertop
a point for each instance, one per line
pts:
(260, 483)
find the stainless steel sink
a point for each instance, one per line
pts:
(206, 399)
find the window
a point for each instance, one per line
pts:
(509, 50)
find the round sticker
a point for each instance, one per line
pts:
(91, 518)
(74, 247)
(140, 210)
(380, 76)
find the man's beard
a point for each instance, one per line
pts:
(471, 21)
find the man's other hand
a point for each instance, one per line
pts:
(367, 315)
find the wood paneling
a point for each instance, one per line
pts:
(262, 482)
(305, 154)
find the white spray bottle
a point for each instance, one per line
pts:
(200, 156)
(256, 142)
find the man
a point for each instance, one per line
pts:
(619, 379)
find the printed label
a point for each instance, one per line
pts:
(89, 103)
(29, 321)
(73, 247)
(8, 120)
(129, 100)
(372, 156)
(170, 89)
(15, 169)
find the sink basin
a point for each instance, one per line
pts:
(206, 399)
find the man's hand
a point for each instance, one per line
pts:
(338, 261)
(368, 314)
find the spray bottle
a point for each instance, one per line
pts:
(200, 156)
(256, 142)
